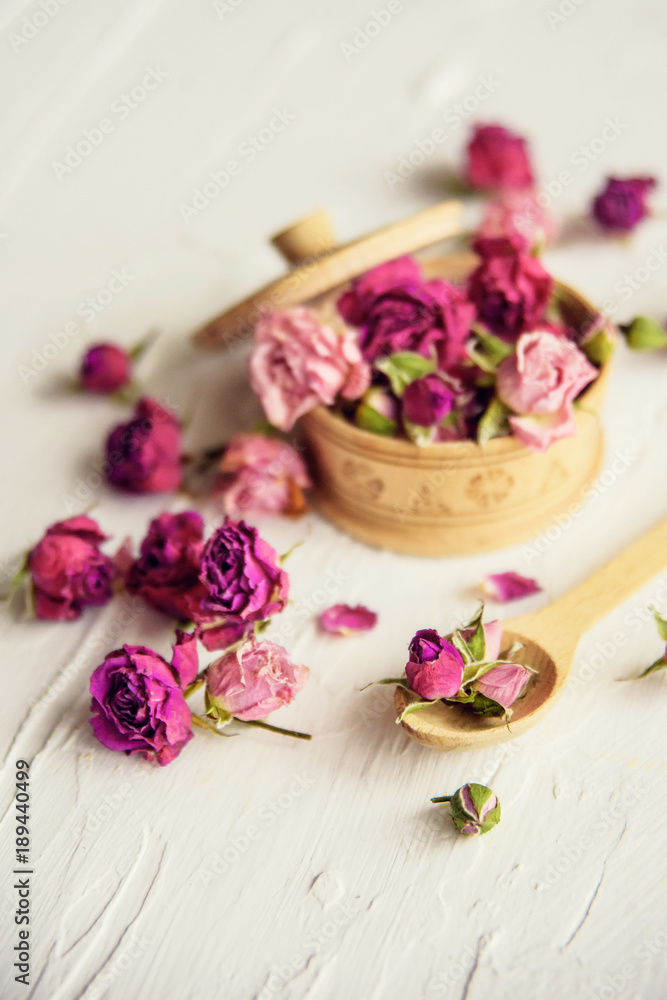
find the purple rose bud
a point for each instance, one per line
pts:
(242, 575)
(144, 454)
(427, 401)
(166, 574)
(105, 368)
(138, 704)
(475, 809)
(435, 667)
(68, 570)
(622, 203)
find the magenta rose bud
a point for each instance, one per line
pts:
(498, 160)
(254, 681)
(435, 667)
(138, 704)
(509, 288)
(427, 401)
(504, 683)
(539, 382)
(166, 574)
(68, 570)
(622, 203)
(262, 475)
(242, 575)
(105, 368)
(144, 455)
(398, 311)
(298, 362)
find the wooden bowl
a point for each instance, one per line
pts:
(455, 497)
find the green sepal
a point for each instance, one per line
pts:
(494, 422)
(459, 643)
(368, 419)
(421, 436)
(490, 708)
(18, 579)
(477, 641)
(414, 706)
(653, 669)
(480, 795)
(391, 681)
(644, 334)
(599, 349)
(662, 625)
(285, 556)
(493, 350)
(214, 710)
(403, 368)
(474, 671)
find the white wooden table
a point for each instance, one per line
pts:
(261, 867)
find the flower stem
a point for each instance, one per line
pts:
(442, 798)
(197, 720)
(195, 685)
(275, 729)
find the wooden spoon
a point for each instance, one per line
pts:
(551, 637)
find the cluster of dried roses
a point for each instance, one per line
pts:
(407, 356)
(225, 589)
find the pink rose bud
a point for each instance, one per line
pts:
(262, 475)
(138, 703)
(475, 809)
(498, 160)
(68, 570)
(503, 683)
(341, 619)
(427, 401)
(622, 203)
(542, 380)
(503, 587)
(144, 454)
(298, 362)
(435, 667)
(493, 637)
(105, 368)
(510, 288)
(254, 681)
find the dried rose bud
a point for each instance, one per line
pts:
(427, 401)
(475, 809)
(105, 368)
(644, 334)
(435, 667)
(622, 203)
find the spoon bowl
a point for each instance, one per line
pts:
(550, 639)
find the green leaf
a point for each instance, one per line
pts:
(415, 706)
(403, 368)
(477, 641)
(493, 349)
(369, 419)
(421, 436)
(644, 334)
(494, 422)
(662, 625)
(653, 669)
(490, 708)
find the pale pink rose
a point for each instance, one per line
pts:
(502, 587)
(503, 683)
(542, 380)
(518, 213)
(262, 475)
(254, 680)
(298, 362)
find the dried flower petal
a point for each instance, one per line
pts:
(342, 619)
(502, 587)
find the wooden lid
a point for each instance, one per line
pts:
(319, 265)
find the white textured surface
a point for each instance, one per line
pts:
(346, 882)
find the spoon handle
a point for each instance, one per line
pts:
(580, 609)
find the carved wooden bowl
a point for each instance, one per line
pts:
(455, 497)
